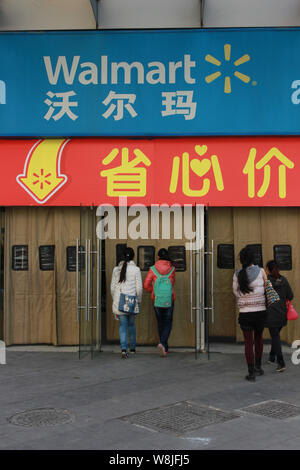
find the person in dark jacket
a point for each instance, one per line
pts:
(164, 316)
(277, 313)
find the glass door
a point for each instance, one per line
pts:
(97, 271)
(88, 290)
(2, 218)
(201, 283)
(196, 279)
(209, 308)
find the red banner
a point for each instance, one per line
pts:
(244, 171)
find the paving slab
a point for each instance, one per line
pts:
(100, 393)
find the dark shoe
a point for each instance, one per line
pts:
(271, 360)
(132, 351)
(257, 368)
(124, 355)
(280, 367)
(258, 371)
(251, 376)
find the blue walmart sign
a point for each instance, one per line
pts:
(150, 83)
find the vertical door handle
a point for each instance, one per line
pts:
(202, 281)
(98, 278)
(77, 279)
(87, 280)
(212, 283)
(191, 282)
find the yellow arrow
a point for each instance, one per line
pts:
(41, 177)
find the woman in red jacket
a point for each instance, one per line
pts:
(164, 315)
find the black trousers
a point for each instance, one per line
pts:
(164, 318)
(276, 351)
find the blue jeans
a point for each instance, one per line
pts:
(164, 318)
(127, 322)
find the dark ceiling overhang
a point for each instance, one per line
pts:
(94, 4)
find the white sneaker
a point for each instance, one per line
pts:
(162, 350)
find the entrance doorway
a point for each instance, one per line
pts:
(56, 272)
(190, 312)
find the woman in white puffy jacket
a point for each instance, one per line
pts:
(126, 279)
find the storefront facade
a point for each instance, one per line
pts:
(186, 119)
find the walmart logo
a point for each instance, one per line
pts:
(227, 55)
(2, 92)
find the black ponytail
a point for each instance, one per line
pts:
(246, 258)
(127, 256)
(273, 268)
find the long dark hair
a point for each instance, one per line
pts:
(273, 268)
(128, 255)
(246, 259)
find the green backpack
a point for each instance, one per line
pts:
(162, 289)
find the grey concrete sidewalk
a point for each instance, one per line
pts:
(146, 402)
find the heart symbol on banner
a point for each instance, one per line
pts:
(200, 167)
(201, 149)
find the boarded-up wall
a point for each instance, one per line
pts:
(221, 230)
(40, 306)
(267, 226)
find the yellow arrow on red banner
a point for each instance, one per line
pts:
(41, 177)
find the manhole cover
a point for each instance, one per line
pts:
(41, 417)
(274, 409)
(180, 417)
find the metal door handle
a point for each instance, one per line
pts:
(191, 283)
(87, 279)
(77, 279)
(212, 283)
(98, 277)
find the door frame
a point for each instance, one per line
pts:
(89, 284)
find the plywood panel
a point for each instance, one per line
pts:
(40, 306)
(183, 333)
(67, 230)
(220, 229)
(271, 226)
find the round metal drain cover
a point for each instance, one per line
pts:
(41, 417)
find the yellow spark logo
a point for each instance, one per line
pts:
(41, 177)
(227, 53)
